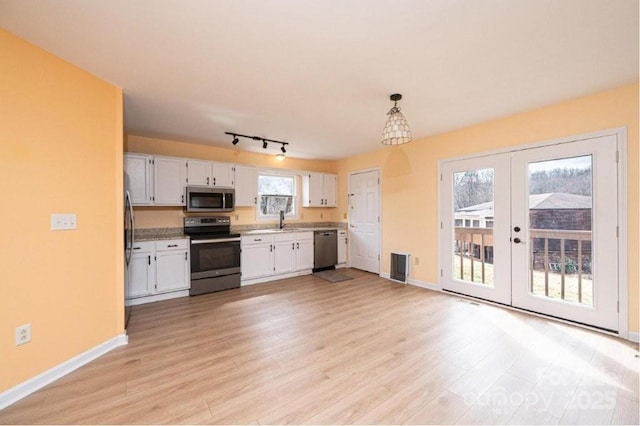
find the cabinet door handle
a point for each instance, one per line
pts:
(255, 200)
(214, 181)
(172, 245)
(298, 246)
(207, 180)
(257, 239)
(137, 248)
(293, 246)
(182, 198)
(185, 255)
(270, 247)
(149, 260)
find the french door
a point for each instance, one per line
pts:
(535, 229)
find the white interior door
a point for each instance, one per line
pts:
(476, 227)
(535, 229)
(565, 258)
(364, 220)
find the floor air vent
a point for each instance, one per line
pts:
(400, 267)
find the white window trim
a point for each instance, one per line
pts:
(296, 200)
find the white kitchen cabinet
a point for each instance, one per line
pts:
(172, 265)
(246, 185)
(209, 174)
(284, 255)
(159, 267)
(256, 256)
(141, 270)
(198, 173)
(222, 175)
(169, 181)
(319, 190)
(265, 255)
(138, 168)
(304, 251)
(330, 190)
(342, 247)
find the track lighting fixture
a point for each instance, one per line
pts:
(265, 142)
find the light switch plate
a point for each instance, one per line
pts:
(62, 222)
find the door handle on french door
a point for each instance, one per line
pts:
(516, 229)
(518, 241)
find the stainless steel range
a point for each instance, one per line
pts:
(215, 254)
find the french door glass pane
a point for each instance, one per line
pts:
(560, 224)
(473, 216)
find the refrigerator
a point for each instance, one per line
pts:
(129, 234)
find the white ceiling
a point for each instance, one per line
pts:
(318, 74)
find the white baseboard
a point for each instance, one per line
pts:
(24, 389)
(424, 284)
(260, 280)
(413, 282)
(156, 297)
(634, 337)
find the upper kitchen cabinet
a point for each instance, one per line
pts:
(246, 185)
(206, 173)
(199, 173)
(319, 190)
(139, 169)
(222, 174)
(169, 178)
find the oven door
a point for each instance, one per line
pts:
(215, 257)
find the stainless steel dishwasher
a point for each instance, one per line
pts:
(325, 252)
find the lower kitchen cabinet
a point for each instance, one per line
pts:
(159, 267)
(266, 255)
(256, 256)
(141, 271)
(342, 247)
(304, 251)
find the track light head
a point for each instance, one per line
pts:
(264, 144)
(235, 140)
(284, 151)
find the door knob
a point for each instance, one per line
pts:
(517, 240)
(516, 229)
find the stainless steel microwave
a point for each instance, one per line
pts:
(201, 199)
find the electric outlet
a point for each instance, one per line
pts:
(321, 216)
(61, 222)
(417, 260)
(23, 334)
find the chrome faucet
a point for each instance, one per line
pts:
(281, 219)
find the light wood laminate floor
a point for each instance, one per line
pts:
(303, 350)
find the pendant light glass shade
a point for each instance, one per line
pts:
(396, 131)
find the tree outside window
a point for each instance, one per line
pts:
(276, 193)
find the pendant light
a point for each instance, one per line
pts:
(396, 131)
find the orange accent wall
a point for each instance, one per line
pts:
(409, 186)
(60, 152)
(161, 217)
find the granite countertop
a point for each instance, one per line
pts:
(289, 227)
(157, 234)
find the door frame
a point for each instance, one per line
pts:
(623, 280)
(372, 169)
